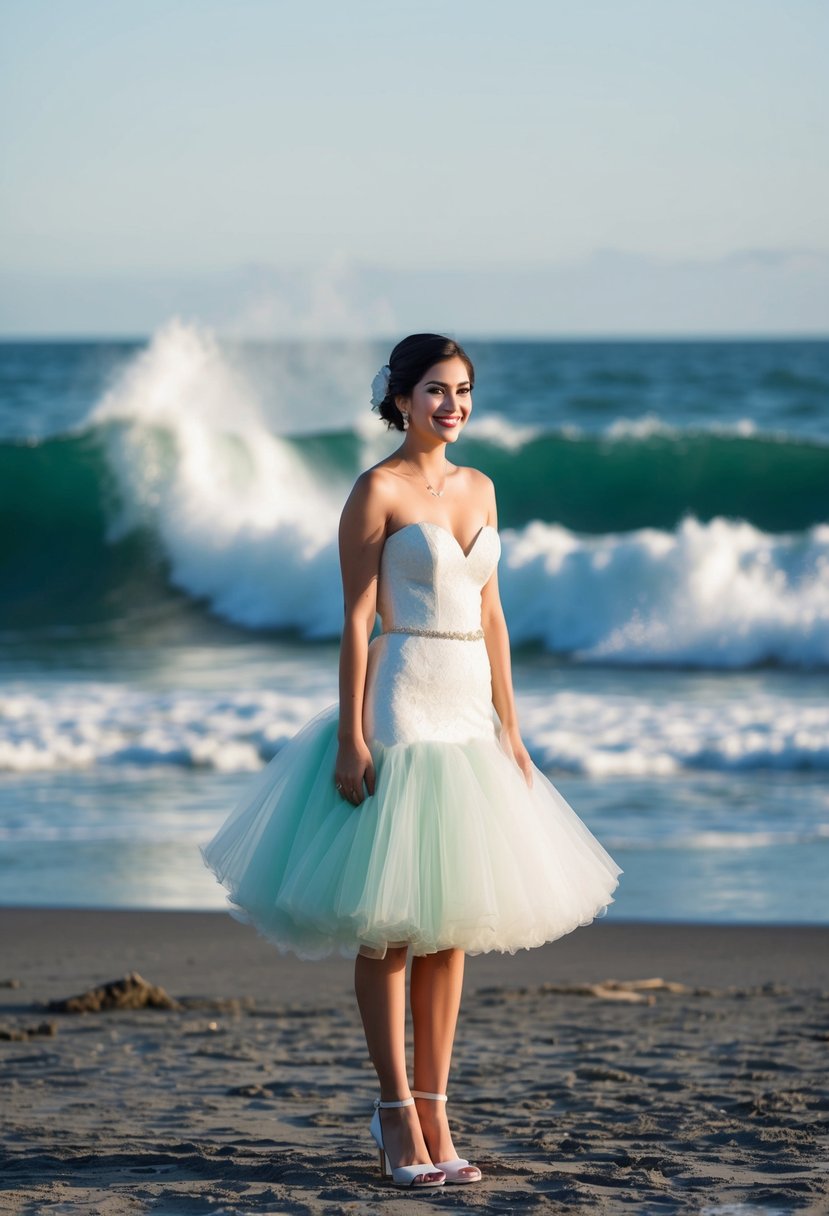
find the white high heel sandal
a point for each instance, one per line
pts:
(452, 1169)
(402, 1175)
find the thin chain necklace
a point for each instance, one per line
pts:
(429, 487)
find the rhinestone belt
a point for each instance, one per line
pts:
(473, 635)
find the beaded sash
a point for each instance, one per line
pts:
(473, 635)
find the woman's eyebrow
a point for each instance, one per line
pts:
(443, 383)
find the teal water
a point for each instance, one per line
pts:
(169, 600)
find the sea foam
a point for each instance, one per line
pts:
(243, 521)
(246, 523)
(114, 725)
(716, 594)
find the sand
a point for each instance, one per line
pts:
(705, 1094)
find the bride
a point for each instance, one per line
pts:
(410, 814)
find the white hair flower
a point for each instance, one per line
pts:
(380, 385)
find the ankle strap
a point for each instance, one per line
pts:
(421, 1093)
(402, 1102)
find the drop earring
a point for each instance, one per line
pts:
(405, 419)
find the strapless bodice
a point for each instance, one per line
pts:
(428, 674)
(427, 582)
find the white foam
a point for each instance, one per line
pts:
(248, 526)
(742, 840)
(649, 425)
(617, 736)
(716, 594)
(97, 725)
(242, 521)
(501, 432)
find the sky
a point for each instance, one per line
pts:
(269, 165)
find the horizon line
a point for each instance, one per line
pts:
(775, 335)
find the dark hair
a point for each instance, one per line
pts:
(409, 362)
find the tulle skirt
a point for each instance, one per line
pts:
(453, 849)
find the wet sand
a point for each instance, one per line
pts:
(572, 1094)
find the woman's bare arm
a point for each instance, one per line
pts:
(361, 538)
(498, 648)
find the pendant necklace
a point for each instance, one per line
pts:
(429, 487)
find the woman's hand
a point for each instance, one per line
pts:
(511, 738)
(354, 766)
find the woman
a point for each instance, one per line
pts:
(438, 832)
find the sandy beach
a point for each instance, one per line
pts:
(253, 1094)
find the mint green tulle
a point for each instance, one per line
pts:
(452, 850)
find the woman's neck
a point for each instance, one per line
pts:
(428, 459)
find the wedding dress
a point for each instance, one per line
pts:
(452, 849)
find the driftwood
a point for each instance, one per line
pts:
(637, 992)
(131, 992)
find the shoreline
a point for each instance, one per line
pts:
(216, 951)
(254, 1095)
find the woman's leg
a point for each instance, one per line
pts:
(435, 997)
(380, 985)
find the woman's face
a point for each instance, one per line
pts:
(441, 401)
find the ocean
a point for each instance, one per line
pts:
(170, 603)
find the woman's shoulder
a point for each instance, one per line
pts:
(474, 474)
(377, 479)
(373, 487)
(474, 479)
